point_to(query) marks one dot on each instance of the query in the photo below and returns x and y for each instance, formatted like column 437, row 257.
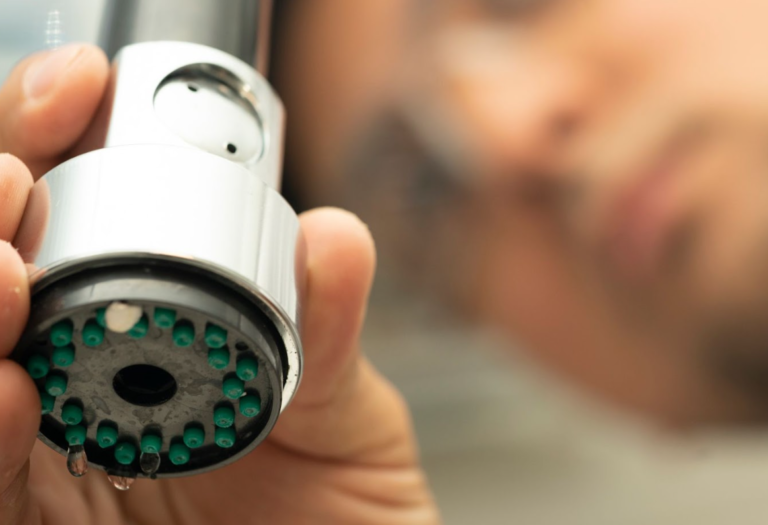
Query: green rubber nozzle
column 224, row 416
column 37, row 366
column 47, row 402
column 247, row 368
column 250, row 405
column 233, row 387
column 140, row 329
column 215, row 336
column 179, row 453
column 106, row 435
column 183, row 334
column 194, row 436
column 151, row 444
column 165, row 317
column 218, row 358
column 125, row 453
column 93, row 334
column 61, row 333
column 71, row 414
column 101, row 317
column 63, row 356
column 225, row 437
column 75, row 435
column 56, row 384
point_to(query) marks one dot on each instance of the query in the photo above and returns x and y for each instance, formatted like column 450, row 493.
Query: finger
column 343, row 410
column 340, row 266
column 19, row 421
column 15, row 185
column 14, row 299
column 19, row 402
column 48, row 102
column 32, row 228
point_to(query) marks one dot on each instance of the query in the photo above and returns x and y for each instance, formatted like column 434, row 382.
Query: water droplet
column 149, row 462
column 77, row 461
column 121, row 482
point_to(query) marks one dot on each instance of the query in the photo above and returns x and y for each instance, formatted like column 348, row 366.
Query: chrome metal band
column 237, row 27
column 179, row 204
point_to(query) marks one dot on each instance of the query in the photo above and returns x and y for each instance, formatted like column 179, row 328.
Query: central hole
column 144, row 385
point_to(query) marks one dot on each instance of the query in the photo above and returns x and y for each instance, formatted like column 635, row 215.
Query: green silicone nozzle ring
column 56, row 384
column 247, row 368
column 225, row 437
column 224, row 416
column 183, row 334
column 71, row 414
column 218, row 358
column 194, row 436
column 106, row 435
column 93, row 334
column 47, row 402
column 233, row 387
column 63, row 356
column 61, row 333
column 151, row 444
column 75, row 435
column 37, row 366
column 250, row 405
column 125, row 453
column 165, row 317
column 179, row 454
column 215, row 336
column 101, row 317
column 140, row 329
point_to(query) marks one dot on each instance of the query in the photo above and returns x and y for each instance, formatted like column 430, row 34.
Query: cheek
column 733, row 249
column 637, row 33
column 646, row 20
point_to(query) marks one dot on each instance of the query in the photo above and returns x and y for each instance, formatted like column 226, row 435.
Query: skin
column 567, row 126
column 612, row 217
column 627, row 167
column 343, row 453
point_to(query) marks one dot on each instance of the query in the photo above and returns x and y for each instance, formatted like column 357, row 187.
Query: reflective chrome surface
column 230, row 95
column 181, row 204
column 189, row 170
column 237, row 27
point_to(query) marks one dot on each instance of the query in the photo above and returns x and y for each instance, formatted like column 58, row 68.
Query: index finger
column 14, row 298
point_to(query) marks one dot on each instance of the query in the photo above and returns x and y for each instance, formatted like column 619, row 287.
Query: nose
column 522, row 111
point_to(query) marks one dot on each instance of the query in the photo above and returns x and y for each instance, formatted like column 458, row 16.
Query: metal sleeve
column 237, row 27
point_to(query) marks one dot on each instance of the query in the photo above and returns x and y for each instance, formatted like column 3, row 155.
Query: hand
column 342, row 453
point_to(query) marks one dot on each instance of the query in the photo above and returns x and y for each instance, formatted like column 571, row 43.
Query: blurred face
column 620, row 147
column 615, row 154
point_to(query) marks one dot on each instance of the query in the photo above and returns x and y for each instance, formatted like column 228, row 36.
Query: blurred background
column 502, row 441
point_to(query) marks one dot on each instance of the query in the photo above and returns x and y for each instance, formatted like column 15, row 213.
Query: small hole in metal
column 193, row 88
column 231, row 148
column 241, row 346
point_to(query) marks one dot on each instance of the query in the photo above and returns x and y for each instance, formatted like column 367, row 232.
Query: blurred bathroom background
column 502, row 441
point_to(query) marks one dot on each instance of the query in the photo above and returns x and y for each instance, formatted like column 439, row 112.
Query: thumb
column 19, row 402
column 344, row 410
column 48, row 102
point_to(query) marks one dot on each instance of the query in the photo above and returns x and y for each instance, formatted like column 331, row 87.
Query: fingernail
column 43, row 74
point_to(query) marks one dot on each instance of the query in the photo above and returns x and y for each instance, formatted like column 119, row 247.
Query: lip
column 642, row 218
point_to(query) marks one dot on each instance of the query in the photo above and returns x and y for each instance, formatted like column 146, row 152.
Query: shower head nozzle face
column 198, row 360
